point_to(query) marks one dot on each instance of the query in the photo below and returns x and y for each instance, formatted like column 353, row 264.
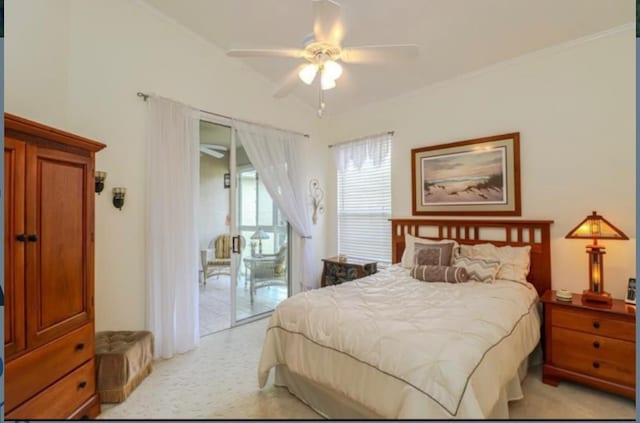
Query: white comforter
column 405, row 348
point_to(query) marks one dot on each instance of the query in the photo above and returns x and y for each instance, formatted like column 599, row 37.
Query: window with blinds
column 364, row 208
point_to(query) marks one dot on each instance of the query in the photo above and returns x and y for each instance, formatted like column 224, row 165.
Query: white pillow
column 515, row 261
column 409, row 247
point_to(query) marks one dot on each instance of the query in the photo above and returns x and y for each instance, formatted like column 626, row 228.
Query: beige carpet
column 219, row 380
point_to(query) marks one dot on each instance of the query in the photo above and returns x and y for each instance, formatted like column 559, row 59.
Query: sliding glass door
column 214, row 228
column 260, row 245
column 244, row 238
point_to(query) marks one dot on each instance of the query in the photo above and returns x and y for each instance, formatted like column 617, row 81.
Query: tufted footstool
column 123, row 360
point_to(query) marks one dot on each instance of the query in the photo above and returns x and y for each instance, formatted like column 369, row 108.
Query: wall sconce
column 118, row 197
column 227, row 180
column 317, row 194
column 100, row 177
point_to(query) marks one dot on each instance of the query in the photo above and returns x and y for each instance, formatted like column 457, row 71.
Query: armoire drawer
column 30, row 373
column 60, row 399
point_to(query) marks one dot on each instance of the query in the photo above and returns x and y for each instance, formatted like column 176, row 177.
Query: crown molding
column 523, row 58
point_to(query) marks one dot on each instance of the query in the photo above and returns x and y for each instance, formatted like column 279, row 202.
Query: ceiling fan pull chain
column 321, row 104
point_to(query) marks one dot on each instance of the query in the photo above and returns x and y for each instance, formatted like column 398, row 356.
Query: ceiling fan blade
column 266, row 52
column 289, row 82
column 327, row 25
column 215, row 147
column 379, row 53
column 212, row 153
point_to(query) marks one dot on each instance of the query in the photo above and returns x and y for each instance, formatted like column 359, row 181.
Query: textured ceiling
column 454, row 36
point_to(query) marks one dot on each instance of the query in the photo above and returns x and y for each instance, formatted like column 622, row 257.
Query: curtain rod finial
column 143, row 95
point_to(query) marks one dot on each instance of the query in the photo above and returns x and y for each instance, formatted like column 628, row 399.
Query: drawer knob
column 80, row 346
column 596, row 324
column 82, row 384
column 596, row 344
column 596, row 365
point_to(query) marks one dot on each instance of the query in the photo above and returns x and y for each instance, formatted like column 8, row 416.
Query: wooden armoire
column 49, row 334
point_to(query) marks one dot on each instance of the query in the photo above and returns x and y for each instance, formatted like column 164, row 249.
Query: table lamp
column 596, row 227
column 260, row 235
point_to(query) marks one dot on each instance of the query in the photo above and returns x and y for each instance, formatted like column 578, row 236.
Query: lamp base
column 596, row 297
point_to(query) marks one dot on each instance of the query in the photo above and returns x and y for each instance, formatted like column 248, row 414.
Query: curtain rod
column 146, row 96
column 362, row 138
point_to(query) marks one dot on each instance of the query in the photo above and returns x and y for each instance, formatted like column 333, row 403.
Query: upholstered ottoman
column 123, row 360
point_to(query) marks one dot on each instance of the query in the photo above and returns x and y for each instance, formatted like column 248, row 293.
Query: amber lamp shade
column 596, row 227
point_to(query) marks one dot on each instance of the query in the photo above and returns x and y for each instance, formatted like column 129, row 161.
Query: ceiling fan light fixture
column 323, row 53
column 308, row 73
column 332, row 69
column 326, row 82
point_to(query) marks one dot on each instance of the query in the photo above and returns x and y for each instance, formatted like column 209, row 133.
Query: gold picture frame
column 476, row 177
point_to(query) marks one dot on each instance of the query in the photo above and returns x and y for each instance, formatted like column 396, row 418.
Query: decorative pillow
column 449, row 274
column 409, row 241
column 432, row 254
column 515, row 260
column 478, row 269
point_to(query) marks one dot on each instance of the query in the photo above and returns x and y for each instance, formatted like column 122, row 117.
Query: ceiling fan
column 213, row 150
column 322, row 51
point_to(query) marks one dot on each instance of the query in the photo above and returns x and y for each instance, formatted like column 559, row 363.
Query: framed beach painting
column 473, row 177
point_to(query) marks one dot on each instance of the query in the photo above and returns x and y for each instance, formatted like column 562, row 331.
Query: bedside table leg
column 548, row 378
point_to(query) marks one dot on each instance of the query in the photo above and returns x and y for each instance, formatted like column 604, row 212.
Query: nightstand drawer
column 594, row 322
column 598, row 356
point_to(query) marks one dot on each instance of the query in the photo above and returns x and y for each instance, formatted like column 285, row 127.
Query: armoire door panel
column 49, row 192
column 14, row 251
column 58, row 245
column 60, row 230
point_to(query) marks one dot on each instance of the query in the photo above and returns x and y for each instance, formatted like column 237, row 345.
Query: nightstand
column 335, row 271
column 590, row 343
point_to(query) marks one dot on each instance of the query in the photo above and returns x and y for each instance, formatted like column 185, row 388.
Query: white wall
column 78, row 64
column 574, row 108
column 36, row 67
column 214, row 199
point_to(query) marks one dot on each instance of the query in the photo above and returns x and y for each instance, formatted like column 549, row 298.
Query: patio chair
column 267, row 270
column 220, row 264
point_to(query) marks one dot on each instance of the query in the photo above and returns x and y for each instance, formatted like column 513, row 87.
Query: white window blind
column 364, row 199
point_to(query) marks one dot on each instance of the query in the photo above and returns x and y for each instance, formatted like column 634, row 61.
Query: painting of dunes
column 479, row 176
column 472, row 177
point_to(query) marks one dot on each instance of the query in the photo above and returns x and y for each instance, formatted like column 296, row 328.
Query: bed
column 390, row 346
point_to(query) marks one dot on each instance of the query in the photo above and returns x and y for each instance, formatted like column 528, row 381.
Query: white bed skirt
column 398, row 348
column 331, row 405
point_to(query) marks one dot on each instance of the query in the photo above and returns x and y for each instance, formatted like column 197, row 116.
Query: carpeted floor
column 219, row 381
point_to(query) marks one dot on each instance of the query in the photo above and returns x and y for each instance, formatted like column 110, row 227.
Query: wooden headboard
column 499, row 232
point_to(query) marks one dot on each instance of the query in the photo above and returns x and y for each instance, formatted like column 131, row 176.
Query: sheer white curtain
column 276, row 156
column 354, row 153
column 172, row 178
